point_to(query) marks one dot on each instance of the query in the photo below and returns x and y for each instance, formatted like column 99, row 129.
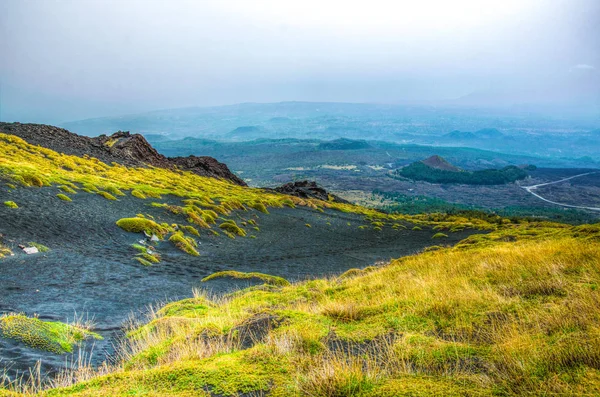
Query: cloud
column 583, row 66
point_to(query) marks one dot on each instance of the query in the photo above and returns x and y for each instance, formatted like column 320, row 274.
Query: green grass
column 10, row 204
column 50, row 336
column 492, row 316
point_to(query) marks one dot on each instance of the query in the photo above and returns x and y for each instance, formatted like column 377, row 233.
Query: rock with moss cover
column 55, row 337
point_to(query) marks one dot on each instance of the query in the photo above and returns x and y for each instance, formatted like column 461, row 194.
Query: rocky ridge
column 121, row 147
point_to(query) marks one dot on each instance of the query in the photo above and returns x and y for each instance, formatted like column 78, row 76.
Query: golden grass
column 490, row 317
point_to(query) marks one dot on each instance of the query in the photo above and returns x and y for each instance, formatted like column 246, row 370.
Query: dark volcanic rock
column 308, row 189
column 120, row 147
column 206, row 166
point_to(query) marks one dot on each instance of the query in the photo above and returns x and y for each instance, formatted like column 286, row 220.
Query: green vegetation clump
column 259, row 206
column 190, row 229
column 139, row 247
column 11, row 186
column 11, row 204
column 107, row 195
column 153, row 258
column 231, row 227
column 67, row 189
column 64, row 197
column 90, row 188
column 143, row 261
column 266, row 278
column 439, row 235
column 137, row 194
column 114, row 191
column 139, row 225
column 4, row 251
column 421, row 172
column 40, row 247
column 55, row 337
column 184, row 243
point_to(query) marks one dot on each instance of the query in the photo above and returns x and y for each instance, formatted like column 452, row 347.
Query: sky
column 66, row 60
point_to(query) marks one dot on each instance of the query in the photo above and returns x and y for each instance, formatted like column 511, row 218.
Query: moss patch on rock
column 52, row 336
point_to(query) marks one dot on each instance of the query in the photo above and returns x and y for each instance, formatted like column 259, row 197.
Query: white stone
column 30, row 250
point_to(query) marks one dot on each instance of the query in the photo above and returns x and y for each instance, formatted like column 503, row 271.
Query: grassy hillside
column 512, row 312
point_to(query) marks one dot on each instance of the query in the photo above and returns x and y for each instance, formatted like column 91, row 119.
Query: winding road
column 533, row 187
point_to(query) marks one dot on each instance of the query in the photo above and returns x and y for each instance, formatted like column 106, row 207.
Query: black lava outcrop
column 120, row 147
column 308, row 189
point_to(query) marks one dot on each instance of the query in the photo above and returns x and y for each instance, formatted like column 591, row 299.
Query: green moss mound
column 115, row 191
column 55, row 337
column 439, row 235
column 10, row 204
column 268, row 279
column 138, row 194
column 107, row 195
column 184, row 243
column 63, row 197
column 259, row 206
column 231, row 227
column 67, row 189
column 139, row 225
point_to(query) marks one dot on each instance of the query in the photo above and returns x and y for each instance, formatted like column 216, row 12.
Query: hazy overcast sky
column 66, row 60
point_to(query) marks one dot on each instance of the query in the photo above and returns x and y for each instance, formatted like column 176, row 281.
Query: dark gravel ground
column 90, row 270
